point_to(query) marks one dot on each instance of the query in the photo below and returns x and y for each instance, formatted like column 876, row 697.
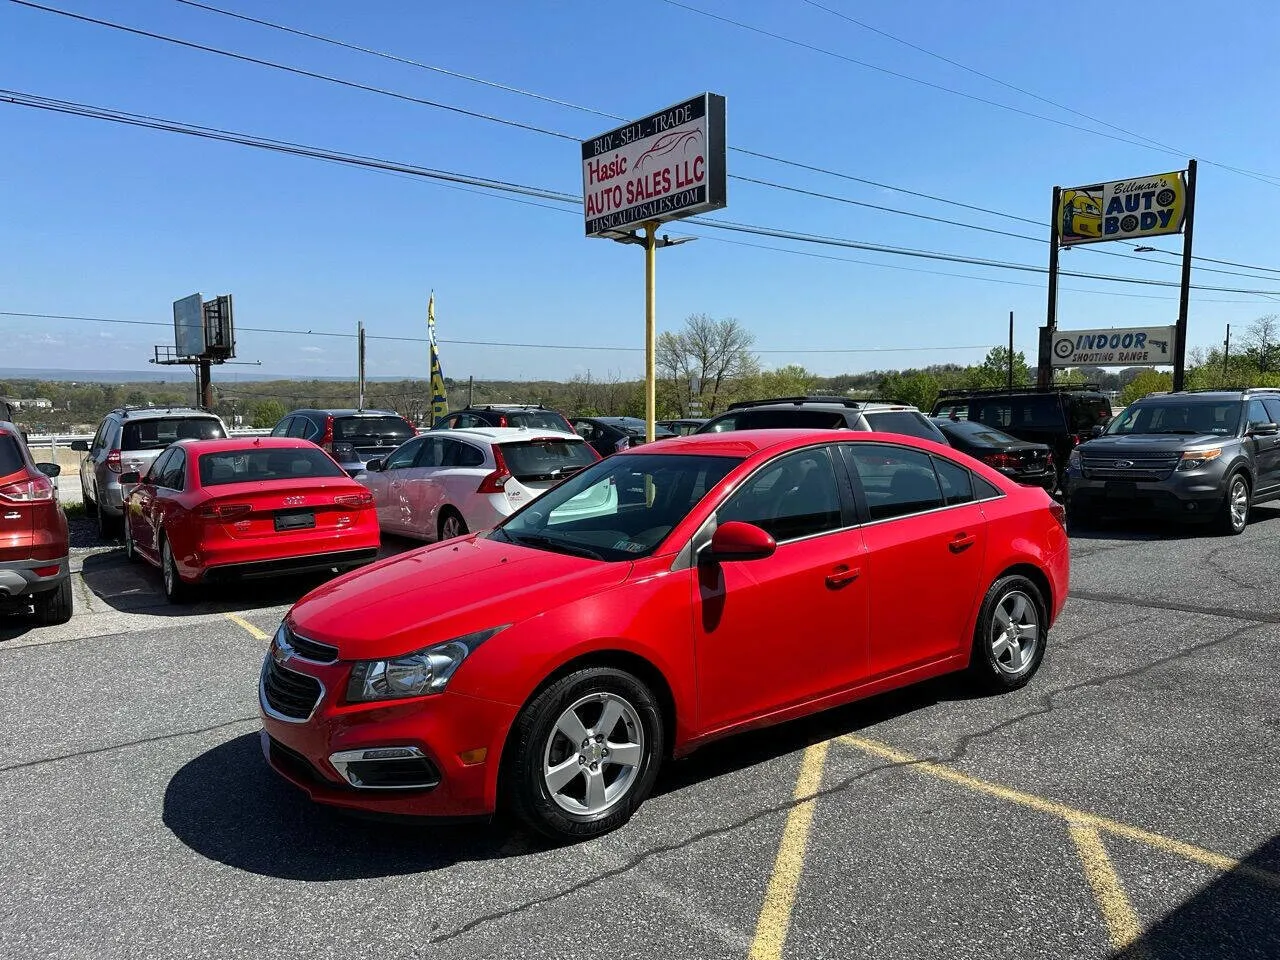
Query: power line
column 554, row 133
column 85, row 110
column 1269, row 179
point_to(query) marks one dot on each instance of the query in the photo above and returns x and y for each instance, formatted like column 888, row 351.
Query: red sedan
column 736, row 580
column 211, row 510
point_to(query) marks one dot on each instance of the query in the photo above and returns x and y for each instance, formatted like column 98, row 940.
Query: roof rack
column 841, row 401
column 1005, row 391
column 1245, row 390
column 126, row 410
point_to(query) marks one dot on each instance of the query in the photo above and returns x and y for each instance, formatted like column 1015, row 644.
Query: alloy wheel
column 452, row 527
column 1239, row 503
column 593, row 754
column 1015, row 633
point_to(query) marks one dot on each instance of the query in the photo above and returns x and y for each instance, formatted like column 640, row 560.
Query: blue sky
column 104, row 220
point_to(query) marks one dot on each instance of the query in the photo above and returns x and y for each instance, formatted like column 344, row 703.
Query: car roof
column 746, row 443
column 507, row 434
column 157, row 413
column 505, row 406
column 1206, row 396
column 344, row 412
column 245, row 443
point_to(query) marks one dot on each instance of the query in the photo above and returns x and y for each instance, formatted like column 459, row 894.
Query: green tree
column 916, row 387
column 1149, row 381
column 267, row 413
column 994, row 369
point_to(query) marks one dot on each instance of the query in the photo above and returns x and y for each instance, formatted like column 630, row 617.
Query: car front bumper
column 22, row 578
column 1190, row 494
column 440, row 729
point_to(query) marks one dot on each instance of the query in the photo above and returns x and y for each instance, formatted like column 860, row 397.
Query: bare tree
column 715, row 352
column 1262, row 343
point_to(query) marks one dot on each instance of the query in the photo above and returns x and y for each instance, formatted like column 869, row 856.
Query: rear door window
column 299, row 427
column 905, row 422
column 370, row 429
column 956, row 482
column 460, row 454
column 547, row 459
column 895, row 481
column 158, row 433
column 11, row 459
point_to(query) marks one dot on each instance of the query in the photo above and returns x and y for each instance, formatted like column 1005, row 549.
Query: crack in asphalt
column 1211, row 559
column 1227, row 613
column 959, row 752
column 121, row 746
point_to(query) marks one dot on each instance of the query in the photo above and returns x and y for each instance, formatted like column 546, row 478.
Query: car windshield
column 1192, row 418
column 977, row 433
column 546, row 458
column 906, row 423
column 536, row 420
column 255, row 465
column 361, row 429
column 159, row 432
column 620, row 508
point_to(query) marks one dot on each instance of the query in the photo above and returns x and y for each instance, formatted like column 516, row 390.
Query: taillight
column 362, row 499
column 496, row 481
column 1059, row 513
column 326, row 441
column 225, row 511
column 413, row 431
column 1001, row 461
column 1075, row 440
column 502, row 421
column 113, row 461
column 28, row 491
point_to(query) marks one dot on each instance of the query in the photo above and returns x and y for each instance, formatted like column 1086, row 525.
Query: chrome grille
column 1130, row 468
column 312, row 649
column 291, row 695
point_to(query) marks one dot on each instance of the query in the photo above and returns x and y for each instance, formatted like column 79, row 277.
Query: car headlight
column 1073, row 460
column 415, row 674
column 1191, row 459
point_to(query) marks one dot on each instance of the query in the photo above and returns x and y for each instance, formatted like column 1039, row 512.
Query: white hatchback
column 445, row 483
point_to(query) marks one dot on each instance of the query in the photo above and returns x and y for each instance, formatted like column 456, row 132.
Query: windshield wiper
column 550, row 543
column 1188, row 433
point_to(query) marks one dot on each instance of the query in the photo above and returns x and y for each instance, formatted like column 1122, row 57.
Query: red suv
column 553, row 663
column 35, row 549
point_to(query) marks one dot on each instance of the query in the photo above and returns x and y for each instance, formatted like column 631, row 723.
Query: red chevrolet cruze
column 210, row 510
column 655, row 601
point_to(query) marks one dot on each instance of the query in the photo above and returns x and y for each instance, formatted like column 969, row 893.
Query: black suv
column 533, row 416
column 1195, row 454
column 1062, row 417
column 825, row 413
column 352, row 437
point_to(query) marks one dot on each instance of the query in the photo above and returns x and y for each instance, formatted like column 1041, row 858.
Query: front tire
column 584, row 754
column 1233, row 514
column 55, row 606
column 1009, row 641
column 176, row 590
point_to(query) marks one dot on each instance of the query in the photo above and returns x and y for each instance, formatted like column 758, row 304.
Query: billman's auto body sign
column 1116, row 347
column 667, row 165
column 1123, row 209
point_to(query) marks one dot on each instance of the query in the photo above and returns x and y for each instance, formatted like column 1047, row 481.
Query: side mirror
column 50, row 470
column 1097, row 430
column 130, row 479
column 736, row 540
column 80, row 446
column 1264, row 429
column 374, row 465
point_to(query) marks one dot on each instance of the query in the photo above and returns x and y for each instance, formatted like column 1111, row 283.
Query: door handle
column 961, row 542
column 842, row 575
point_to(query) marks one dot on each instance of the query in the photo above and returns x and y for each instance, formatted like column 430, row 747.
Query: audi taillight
column 28, row 491
column 362, row 499
column 497, row 480
column 225, row 511
column 113, row 461
column 1001, row 461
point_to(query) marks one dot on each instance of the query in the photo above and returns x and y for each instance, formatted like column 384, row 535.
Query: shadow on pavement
column 229, row 806
column 1116, row 527
column 1235, row 916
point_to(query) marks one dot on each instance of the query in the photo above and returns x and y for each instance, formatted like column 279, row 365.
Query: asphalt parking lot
column 1124, row 804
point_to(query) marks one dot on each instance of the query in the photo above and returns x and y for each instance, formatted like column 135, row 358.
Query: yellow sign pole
column 650, row 329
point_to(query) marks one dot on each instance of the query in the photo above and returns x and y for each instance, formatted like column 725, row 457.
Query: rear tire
column 1233, row 513
column 55, row 606
column 451, row 524
column 568, row 789
column 176, row 590
column 1009, row 641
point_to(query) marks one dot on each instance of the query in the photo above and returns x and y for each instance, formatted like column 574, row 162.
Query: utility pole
column 1011, row 351
column 1180, row 346
column 1044, row 366
column 1226, row 354
column 360, row 364
column 471, row 390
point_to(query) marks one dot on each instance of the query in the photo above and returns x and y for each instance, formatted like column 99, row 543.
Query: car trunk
column 248, row 511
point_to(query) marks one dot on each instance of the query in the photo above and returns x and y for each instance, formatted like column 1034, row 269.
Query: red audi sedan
column 729, row 580
column 211, row 510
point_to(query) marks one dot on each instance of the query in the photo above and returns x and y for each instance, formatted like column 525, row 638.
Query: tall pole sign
column 1135, row 209
column 663, row 167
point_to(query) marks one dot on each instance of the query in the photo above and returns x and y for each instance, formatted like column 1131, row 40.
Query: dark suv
column 825, row 413
column 533, row 416
column 1062, row 417
column 352, row 437
column 1197, row 455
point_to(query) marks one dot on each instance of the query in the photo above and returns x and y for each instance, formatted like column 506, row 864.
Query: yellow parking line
column 1122, row 920
column 780, row 897
column 1071, row 814
column 253, row 631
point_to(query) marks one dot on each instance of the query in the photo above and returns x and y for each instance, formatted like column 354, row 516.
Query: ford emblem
column 1123, row 464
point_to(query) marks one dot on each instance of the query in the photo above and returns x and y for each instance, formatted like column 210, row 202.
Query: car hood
column 443, row 591
column 1148, row 444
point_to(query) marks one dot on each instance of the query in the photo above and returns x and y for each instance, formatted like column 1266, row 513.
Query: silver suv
column 825, row 413
column 1207, row 455
column 127, row 441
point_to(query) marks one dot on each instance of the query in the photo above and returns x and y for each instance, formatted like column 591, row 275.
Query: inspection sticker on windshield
column 628, row 546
